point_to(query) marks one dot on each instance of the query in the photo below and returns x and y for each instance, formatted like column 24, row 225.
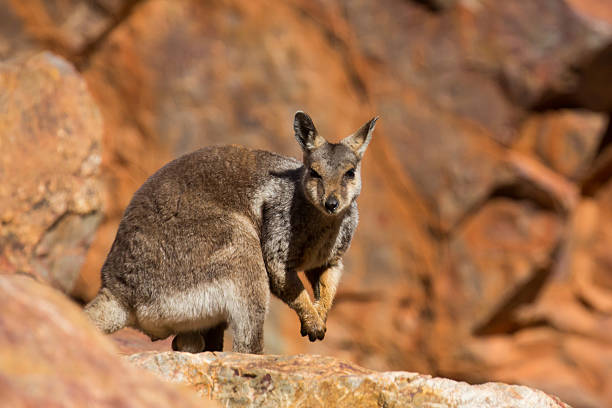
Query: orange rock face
column 50, row 201
column 483, row 251
column 51, row 356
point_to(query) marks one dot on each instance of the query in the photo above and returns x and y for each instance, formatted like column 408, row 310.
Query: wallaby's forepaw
column 321, row 311
column 314, row 327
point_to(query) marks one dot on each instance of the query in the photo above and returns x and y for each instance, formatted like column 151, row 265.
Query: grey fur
column 209, row 236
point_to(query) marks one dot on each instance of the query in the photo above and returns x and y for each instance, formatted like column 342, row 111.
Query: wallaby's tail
column 107, row 312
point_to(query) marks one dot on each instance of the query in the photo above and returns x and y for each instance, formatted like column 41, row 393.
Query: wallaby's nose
column 331, row 204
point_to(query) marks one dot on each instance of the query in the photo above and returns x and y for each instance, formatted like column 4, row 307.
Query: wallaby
column 208, row 236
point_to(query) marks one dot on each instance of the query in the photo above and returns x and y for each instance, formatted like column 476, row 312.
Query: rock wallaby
column 208, row 236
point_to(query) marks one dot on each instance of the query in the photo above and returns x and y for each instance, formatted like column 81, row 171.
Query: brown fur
column 208, row 237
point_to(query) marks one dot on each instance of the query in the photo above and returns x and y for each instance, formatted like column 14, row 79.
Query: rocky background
column 484, row 250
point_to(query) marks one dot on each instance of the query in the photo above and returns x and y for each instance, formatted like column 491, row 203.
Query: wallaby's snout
column 331, row 204
column 332, row 179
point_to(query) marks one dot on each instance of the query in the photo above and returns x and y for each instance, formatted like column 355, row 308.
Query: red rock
column 566, row 141
column 50, row 204
column 50, row 355
column 306, row 381
column 68, row 28
column 130, row 341
column 496, row 254
column 600, row 171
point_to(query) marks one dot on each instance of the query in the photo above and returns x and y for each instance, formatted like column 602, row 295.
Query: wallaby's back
column 196, row 206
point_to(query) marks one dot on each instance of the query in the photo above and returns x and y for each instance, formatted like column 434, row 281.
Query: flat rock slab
column 240, row 380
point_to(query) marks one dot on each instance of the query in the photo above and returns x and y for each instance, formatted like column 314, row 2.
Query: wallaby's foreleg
column 290, row 290
column 324, row 282
column 107, row 312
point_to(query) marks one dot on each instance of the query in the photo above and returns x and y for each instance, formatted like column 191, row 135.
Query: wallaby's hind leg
column 248, row 331
column 107, row 312
column 191, row 342
column 213, row 337
column 247, row 314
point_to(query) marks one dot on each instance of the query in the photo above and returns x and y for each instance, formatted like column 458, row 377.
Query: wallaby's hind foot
column 204, row 340
column 213, row 337
column 107, row 313
column 190, row 342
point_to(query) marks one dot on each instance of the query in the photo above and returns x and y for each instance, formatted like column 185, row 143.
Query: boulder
column 70, row 28
column 50, row 355
column 565, row 140
column 238, row 380
column 50, row 190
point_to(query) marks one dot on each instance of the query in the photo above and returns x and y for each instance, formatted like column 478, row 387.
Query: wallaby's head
column 332, row 176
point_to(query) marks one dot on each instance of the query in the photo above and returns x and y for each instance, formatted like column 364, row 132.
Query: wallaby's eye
column 350, row 174
column 314, row 174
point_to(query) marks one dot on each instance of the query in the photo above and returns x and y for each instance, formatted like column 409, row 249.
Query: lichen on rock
column 239, row 380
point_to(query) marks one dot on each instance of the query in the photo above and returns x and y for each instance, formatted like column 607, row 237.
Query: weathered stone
column 600, row 172
column 65, row 27
column 50, row 203
column 50, row 355
column 531, row 357
column 497, row 254
column 567, row 312
column 129, row 341
column 312, row 381
column 566, row 140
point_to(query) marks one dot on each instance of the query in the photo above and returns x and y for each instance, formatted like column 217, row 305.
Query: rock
column 50, row 355
column 500, row 252
column 600, row 171
column 566, row 140
column 503, row 53
column 307, row 381
column 50, row 199
column 129, row 341
column 531, row 356
column 69, row 28
column 567, row 311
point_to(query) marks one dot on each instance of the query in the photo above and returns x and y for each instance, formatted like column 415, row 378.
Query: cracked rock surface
column 239, row 380
column 50, row 191
column 51, row 356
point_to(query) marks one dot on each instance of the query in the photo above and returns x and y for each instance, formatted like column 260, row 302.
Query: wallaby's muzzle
column 331, row 204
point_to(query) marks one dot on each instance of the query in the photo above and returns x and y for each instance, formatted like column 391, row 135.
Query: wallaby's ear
column 305, row 132
column 358, row 141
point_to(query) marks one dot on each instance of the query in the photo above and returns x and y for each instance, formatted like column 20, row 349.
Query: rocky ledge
column 50, row 355
column 239, row 380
